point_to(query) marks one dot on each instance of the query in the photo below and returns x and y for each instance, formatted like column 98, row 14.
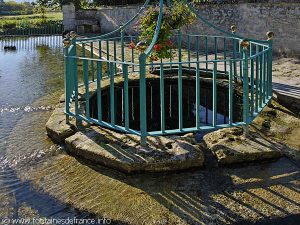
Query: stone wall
column 253, row 21
column 81, row 21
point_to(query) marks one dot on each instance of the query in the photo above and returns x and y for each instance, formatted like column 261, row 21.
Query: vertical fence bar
column 266, row 86
column 92, row 62
column 100, row 49
column 252, row 81
column 75, row 75
column 126, row 98
column 216, row 47
column 67, row 69
column 143, row 108
column 234, row 60
column 197, row 47
column 122, row 45
column 198, row 102
column 264, row 76
column 215, row 94
column 245, row 44
column 112, row 93
column 180, row 115
column 115, row 53
column 99, row 92
column 171, row 58
column 260, row 80
column 132, row 56
column 257, row 79
column 86, row 83
column 225, row 56
column 162, row 98
column 107, row 52
column 270, row 61
column 189, row 52
column 230, row 97
column 206, row 53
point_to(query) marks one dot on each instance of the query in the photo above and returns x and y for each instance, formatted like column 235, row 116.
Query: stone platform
column 270, row 136
column 123, row 151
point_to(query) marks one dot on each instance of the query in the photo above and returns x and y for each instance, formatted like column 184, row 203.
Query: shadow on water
column 215, row 195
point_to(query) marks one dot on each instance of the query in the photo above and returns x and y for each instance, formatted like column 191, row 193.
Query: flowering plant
column 174, row 17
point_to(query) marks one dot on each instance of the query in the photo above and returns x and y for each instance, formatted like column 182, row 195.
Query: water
column 31, row 81
column 170, row 105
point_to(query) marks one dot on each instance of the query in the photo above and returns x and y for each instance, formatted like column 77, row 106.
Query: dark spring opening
column 171, row 104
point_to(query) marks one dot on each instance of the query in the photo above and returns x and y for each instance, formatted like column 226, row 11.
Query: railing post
column 180, row 109
column 74, row 75
column 270, row 36
column 67, row 44
column 245, row 45
column 122, row 44
column 143, row 108
column 233, row 30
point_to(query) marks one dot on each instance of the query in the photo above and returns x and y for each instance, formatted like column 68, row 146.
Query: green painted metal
column 122, row 45
column 204, row 53
column 198, row 100
column 126, row 98
column 245, row 87
column 143, row 107
column 112, row 93
column 189, row 51
column 99, row 91
column 215, row 94
column 162, row 98
column 270, row 61
column 230, row 97
column 180, row 113
column 67, row 69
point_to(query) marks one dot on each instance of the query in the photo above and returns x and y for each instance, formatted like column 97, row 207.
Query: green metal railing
column 107, row 58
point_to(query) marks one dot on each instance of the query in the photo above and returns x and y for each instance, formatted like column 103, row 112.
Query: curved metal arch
column 157, row 30
column 119, row 28
column 218, row 28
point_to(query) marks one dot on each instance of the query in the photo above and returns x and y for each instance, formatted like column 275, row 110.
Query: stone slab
column 57, row 128
column 230, row 145
column 124, row 152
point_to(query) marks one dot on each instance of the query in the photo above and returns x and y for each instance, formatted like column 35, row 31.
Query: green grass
column 29, row 21
column 49, row 15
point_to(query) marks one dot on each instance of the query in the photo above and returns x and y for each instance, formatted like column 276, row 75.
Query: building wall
column 253, row 20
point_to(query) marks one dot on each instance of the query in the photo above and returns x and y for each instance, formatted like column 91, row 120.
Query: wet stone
column 124, row 152
column 57, row 128
column 230, row 145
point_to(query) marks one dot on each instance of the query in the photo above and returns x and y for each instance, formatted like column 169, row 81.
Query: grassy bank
column 30, row 21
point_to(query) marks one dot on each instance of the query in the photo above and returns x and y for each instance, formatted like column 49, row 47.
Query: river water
column 31, row 81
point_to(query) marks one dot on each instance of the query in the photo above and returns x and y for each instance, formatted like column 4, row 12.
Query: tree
column 54, row 3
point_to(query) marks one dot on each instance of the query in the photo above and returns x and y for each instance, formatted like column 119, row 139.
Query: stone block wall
column 253, row 20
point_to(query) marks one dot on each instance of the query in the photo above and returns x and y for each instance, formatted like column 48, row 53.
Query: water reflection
column 30, row 85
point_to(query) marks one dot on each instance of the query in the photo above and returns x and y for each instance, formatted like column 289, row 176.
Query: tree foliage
column 15, row 8
column 174, row 17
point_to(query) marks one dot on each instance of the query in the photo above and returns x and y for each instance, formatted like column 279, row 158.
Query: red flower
column 169, row 43
column 132, row 45
column 157, row 47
